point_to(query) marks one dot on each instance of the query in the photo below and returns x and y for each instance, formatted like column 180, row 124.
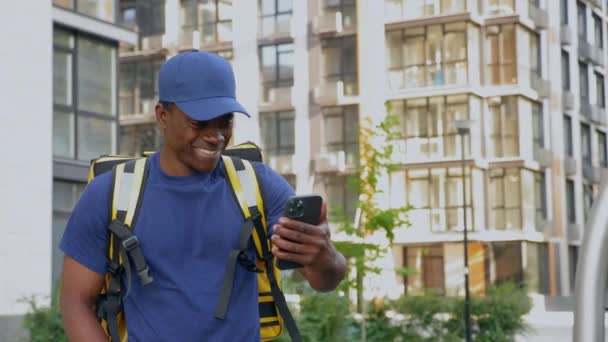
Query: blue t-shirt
column 186, row 227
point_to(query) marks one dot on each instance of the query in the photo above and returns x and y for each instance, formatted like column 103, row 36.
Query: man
column 188, row 224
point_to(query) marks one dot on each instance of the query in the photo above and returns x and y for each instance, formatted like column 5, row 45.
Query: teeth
column 206, row 152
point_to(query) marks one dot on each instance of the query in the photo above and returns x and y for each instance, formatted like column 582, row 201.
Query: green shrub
column 43, row 323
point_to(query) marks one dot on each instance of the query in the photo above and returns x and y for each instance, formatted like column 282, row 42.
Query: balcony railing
column 565, row 35
column 539, row 84
column 539, row 16
column 211, row 34
column 598, row 115
column 569, row 166
column 453, row 73
column 336, row 161
column 336, row 92
column 592, row 173
column 272, row 29
column 567, row 100
column 585, row 108
column 543, row 156
column 276, row 96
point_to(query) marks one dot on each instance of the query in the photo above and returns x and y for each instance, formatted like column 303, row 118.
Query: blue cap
column 200, row 83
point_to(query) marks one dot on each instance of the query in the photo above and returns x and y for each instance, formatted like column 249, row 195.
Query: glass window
column 598, row 32
column 505, row 199
column 573, row 252
column 504, row 136
column 64, row 134
column 535, row 54
column 600, row 98
column 96, row 136
column 568, row 143
column 584, row 82
column 140, row 138
column 508, row 262
column 96, row 76
column 500, row 6
column 540, row 199
column 341, row 198
column 586, row 144
column 278, row 133
column 347, row 8
column 500, row 48
column 538, row 139
column 587, row 200
column 563, row 12
column 139, row 86
column 101, row 9
column 149, row 14
column 275, row 16
column 277, row 65
column 570, row 201
column 213, row 18
column 340, row 60
column 581, row 12
column 603, row 152
column 342, row 131
column 565, row 70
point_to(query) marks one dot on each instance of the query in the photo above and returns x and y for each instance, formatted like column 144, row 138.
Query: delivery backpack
column 124, row 252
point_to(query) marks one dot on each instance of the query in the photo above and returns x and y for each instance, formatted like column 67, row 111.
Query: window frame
column 192, row 7
column 277, row 82
column 278, row 117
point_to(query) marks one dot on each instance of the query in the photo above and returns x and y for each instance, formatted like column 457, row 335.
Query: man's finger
column 323, row 217
column 290, row 246
column 301, row 259
column 294, row 235
column 302, row 227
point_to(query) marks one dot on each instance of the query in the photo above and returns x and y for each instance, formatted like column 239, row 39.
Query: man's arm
column 79, row 290
column 310, row 246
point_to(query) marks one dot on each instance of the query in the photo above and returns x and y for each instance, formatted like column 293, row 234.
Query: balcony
column 211, row 35
column 567, row 100
column 276, row 29
column 275, row 98
column 596, row 3
column 573, row 232
column 585, row 108
column 598, row 115
column 283, row 164
column 592, row 173
column 152, row 42
column 543, row 156
column 565, row 35
column 338, row 161
column 589, row 52
column 329, row 23
column 569, row 166
column 336, row 93
column 541, row 85
column 539, row 16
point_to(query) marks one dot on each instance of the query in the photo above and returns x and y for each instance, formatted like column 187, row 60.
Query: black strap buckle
column 249, row 265
column 130, row 243
column 113, row 267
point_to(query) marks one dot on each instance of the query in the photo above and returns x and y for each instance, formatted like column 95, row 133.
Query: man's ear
column 161, row 115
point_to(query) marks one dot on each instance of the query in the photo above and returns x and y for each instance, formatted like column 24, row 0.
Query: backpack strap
column 244, row 184
column 127, row 193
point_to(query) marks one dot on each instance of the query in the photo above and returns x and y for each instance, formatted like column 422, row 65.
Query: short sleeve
column 86, row 238
column 275, row 192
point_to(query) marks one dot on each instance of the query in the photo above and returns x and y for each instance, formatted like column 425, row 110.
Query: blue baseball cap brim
column 210, row 108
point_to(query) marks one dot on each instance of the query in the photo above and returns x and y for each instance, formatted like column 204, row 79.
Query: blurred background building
column 529, row 75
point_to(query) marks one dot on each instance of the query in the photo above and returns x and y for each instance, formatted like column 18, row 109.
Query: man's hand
column 310, row 246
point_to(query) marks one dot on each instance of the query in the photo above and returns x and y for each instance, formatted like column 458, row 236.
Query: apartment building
column 59, row 66
column 308, row 72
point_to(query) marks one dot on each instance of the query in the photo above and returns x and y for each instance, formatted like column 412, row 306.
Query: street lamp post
column 464, row 127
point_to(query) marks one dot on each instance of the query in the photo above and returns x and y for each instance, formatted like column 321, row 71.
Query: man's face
column 194, row 145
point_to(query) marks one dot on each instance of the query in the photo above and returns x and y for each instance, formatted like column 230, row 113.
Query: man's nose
column 212, row 134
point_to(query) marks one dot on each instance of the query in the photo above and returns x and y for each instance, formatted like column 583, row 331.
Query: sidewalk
column 551, row 327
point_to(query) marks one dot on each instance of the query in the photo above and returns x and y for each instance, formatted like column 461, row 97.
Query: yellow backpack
column 129, row 180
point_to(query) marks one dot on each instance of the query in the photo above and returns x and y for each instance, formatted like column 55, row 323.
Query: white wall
column 26, row 144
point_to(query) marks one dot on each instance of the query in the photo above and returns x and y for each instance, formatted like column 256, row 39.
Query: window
column 601, row 144
column 504, row 136
column 65, row 196
column 540, row 199
column 340, row 60
column 505, row 199
column 150, row 17
column 213, row 18
column 84, row 96
column 508, row 262
column 139, row 86
column 500, row 6
column 277, row 65
column 275, row 16
column 565, row 70
column 140, row 138
column 587, row 200
column 585, row 144
column 100, row 9
column 568, row 143
column 128, row 14
column 428, row 261
column 347, row 8
column 570, row 201
column 535, row 55
column 409, row 9
column 428, row 56
column 597, row 30
column 563, row 12
column 341, row 198
column 538, row 138
column 573, row 260
column 600, row 98
column 278, row 130
column 584, row 82
column 437, row 197
column 342, row 131
column 427, row 125
column 500, row 49
column 581, row 12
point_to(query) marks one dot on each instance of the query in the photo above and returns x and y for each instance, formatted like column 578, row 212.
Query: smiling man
column 188, row 224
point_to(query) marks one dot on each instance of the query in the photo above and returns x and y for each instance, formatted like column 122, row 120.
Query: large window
column 583, row 79
column 601, row 146
column 535, row 55
column 437, row 197
column 428, row 56
column 505, row 199
column 500, row 49
column 139, row 86
column 568, row 143
column 409, row 9
column 428, row 260
column 565, row 70
column 597, row 31
column 427, row 125
column 540, row 200
column 500, row 6
column 137, row 139
column 587, row 199
column 347, row 8
column 213, row 18
column 275, row 16
column 342, row 131
column 277, row 65
column 504, row 137
column 340, row 60
column 538, row 135
column 570, row 201
column 581, row 12
column 65, row 196
column 586, row 144
column 84, row 96
column 101, row 9
column 563, row 9
column 600, row 97
column 341, row 198
column 278, row 131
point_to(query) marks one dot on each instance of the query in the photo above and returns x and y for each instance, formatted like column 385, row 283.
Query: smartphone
column 303, row 208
